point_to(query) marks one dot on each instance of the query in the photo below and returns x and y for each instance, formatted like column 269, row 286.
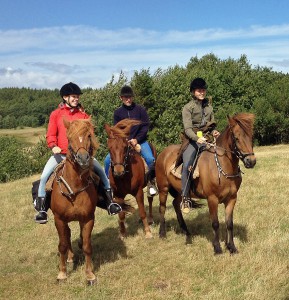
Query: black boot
column 41, row 207
column 151, row 187
column 112, row 207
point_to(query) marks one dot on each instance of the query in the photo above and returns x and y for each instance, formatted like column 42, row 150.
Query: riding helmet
column 198, row 83
column 126, row 91
column 70, row 89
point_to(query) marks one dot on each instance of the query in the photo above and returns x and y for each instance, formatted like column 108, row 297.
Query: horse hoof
column 90, row 282
column 148, row 235
column 61, row 281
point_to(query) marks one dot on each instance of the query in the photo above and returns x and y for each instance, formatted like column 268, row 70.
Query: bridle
column 124, row 164
column 236, row 150
column 73, row 157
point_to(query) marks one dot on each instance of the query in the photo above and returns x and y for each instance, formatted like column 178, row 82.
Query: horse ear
column 107, row 129
column 66, row 123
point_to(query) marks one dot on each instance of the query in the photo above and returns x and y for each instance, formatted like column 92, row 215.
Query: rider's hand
column 133, row 142
column 56, row 150
column 201, row 140
column 215, row 133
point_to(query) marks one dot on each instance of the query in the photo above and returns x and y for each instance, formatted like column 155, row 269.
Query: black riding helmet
column 126, row 91
column 70, row 89
column 198, row 83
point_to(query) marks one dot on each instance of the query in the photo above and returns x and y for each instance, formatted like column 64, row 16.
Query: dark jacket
column 136, row 112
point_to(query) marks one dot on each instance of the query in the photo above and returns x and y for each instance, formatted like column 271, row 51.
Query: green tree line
column 234, row 85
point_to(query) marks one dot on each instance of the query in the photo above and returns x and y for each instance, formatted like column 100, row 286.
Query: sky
column 45, row 44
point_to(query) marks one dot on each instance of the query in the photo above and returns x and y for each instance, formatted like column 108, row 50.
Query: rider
column 196, row 116
column 138, row 133
column 71, row 109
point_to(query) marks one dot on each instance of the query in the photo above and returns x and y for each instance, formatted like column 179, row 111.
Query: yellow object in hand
column 199, row 134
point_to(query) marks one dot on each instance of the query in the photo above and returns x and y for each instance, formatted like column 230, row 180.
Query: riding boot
column 151, row 187
column 112, row 207
column 42, row 207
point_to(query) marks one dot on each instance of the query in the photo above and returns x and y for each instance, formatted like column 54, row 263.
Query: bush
column 14, row 160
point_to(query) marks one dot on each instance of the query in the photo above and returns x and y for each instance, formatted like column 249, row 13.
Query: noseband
column 125, row 160
column 237, row 151
column 73, row 154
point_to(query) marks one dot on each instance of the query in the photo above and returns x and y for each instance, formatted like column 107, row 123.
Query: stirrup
column 115, row 206
column 186, row 205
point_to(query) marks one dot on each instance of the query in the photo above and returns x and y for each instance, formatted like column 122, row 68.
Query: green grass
column 27, row 135
column 170, row 269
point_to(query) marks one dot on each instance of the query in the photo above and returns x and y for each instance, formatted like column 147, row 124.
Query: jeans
column 145, row 152
column 52, row 163
column 189, row 157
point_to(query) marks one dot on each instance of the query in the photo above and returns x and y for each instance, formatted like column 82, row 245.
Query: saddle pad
column 49, row 183
column 177, row 172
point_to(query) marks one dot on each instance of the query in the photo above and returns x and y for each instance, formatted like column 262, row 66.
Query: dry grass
column 28, row 135
column 169, row 269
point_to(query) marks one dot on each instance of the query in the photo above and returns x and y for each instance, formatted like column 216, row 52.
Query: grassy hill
column 27, row 135
column 169, row 269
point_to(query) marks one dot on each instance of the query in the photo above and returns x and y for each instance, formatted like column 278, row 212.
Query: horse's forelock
column 245, row 121
column 80, row 128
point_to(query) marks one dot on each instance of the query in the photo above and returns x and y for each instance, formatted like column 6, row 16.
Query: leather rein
column 60, row 179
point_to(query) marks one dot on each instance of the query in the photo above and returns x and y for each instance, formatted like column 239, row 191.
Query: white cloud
column 48, row 57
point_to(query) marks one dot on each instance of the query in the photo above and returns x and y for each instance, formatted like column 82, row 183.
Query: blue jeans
column 52, row 163
column 145, row 152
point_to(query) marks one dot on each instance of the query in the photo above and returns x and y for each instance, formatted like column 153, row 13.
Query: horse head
column 82, row 143
column 118, row 145
column 241, row 130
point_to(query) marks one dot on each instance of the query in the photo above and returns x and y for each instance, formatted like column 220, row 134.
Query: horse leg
column 63, row 246
column 70, row 253
column 86, row 229
column 150, row 217
column 142, row 213
column 121, row 224
column 213, row 209
column 163, row 195
column 229, row 208
column 177, row 207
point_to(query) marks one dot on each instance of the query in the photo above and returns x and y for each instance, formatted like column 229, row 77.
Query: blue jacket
column 136, row 112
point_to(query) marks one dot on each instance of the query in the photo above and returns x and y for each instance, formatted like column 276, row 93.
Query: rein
column 236, row 151
column 60, row 179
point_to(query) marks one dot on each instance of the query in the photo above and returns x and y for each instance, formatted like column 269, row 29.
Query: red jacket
column 56, row 132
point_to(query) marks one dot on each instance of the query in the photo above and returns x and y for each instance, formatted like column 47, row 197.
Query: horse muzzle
column 83, row 160
column 249, row 161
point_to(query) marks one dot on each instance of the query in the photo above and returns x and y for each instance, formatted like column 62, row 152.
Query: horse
column 219, row 177
column 74, row 196
column 127, row 172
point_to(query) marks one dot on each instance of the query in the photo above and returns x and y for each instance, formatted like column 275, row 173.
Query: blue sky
column 45, row 44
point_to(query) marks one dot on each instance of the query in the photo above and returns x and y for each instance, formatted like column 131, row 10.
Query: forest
column 234, row 85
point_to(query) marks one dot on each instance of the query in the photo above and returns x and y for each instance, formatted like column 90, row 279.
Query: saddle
column 207, row 133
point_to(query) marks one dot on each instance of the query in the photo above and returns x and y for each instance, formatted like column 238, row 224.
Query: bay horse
column 219, row 177
column 127, row 172
column 74, row 196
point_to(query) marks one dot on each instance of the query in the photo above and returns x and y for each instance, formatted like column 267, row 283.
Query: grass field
column 138, row 269
column 27, row 135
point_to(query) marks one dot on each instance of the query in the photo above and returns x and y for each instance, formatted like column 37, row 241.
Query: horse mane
column 245, row 121
column 122, row 128
column 80, row 127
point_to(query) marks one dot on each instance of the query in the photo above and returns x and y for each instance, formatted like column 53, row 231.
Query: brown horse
column 74, row 196
column 127, row 172
column 219, row 176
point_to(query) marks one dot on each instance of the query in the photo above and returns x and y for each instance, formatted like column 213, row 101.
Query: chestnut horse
column 74, row 196
column 219, row 176
column 127, row 172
